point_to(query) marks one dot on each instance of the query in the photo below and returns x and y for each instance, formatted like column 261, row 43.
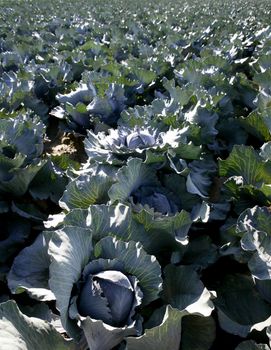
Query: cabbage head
column 101, row 289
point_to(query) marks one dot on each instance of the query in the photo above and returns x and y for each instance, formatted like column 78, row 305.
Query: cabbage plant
column 98, row 288
column 85, row 107
column 21, row 146
column 151, row 144
column 105, row 284
column 160, row 208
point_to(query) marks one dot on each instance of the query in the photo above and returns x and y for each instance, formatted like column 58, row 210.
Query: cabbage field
column 135, row 175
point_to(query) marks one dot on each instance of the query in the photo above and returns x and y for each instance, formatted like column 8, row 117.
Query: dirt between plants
column 67, row 143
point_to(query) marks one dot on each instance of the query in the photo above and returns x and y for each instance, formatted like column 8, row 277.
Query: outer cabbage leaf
column 49, row 182
column 178, row 185
column 86, row 190
column 245, row 162
column 183, row 290
column 138, row 116
column 30, row 270
column 251, row 345
column 42, row 311
column 28, row 211
column 104, row 220
column 198, row 333
column 81, row 94
column 171, row 328
column 130, row 178
column 265, row 152
column 240, row 307
column 164, row 331
column 69, row 251
column 200, row 177
column 100, row 336
column 248, row 177
column 164, row 229
column 20, row 332
column 55, row 220
column 199, row 253
column 206, row 119
column 258, row 123
column 254, row 226
column 20, row 178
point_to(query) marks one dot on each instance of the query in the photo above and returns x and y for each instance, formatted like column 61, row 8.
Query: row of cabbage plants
column 135, row 174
